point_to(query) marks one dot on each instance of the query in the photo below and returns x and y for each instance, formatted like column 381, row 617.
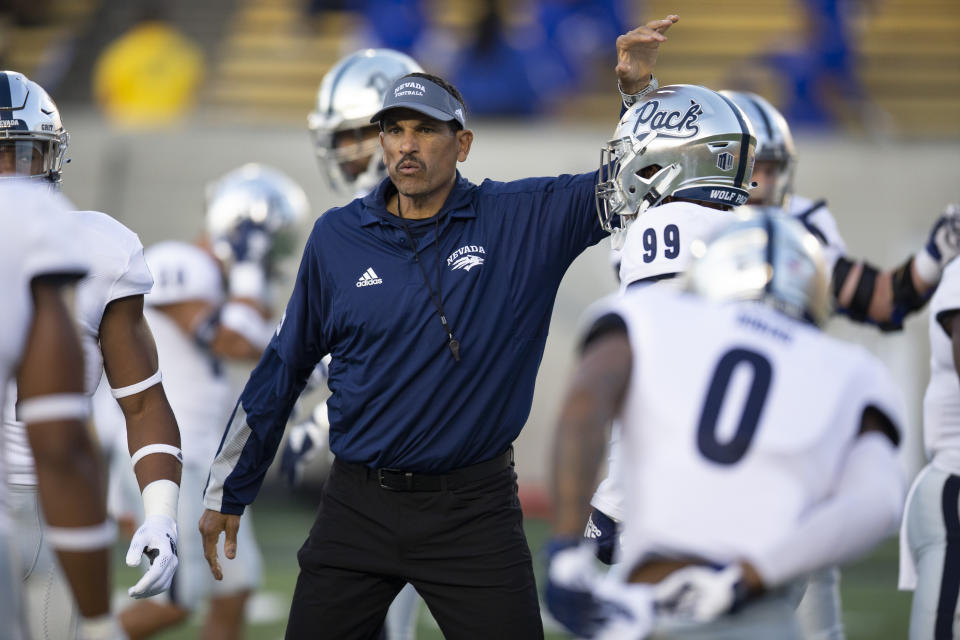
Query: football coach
column 433, row 295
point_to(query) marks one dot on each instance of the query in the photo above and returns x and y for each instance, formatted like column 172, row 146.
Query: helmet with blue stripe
column 346, row 144
column 764, row 256
column 774, row 143
column 33, row 142
column 681, row 141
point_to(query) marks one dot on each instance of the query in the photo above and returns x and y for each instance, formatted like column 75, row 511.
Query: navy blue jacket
column 399, row 399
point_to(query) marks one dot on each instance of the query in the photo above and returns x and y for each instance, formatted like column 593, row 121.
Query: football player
column 40, row 348
column 115, row 338
column 197, row 322
column 928, row 537
column 669, row 185
column 734, row 492
column 861, row 291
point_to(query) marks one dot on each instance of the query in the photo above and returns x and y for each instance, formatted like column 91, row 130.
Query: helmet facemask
column 340, row 147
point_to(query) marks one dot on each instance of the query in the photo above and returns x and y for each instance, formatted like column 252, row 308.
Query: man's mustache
column 410, row 158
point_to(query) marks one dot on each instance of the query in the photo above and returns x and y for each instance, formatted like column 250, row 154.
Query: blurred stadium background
column 157, row 109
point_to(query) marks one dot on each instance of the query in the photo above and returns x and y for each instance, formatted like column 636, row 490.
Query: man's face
column 765, row 174
column 21, row 157
column 421, row 153
column 354, row 148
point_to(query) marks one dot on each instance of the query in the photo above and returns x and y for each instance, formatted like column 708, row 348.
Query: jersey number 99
column 671, row 243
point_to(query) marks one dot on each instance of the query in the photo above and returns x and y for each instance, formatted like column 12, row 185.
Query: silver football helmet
column 33, row 141
column 700, row 142
column 764, row 256
column 346, row 144
column 774, row 142
column 252, row 213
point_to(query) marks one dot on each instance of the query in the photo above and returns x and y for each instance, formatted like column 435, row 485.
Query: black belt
column 400, row 480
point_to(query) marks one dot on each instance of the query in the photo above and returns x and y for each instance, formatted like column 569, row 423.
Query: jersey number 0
column 731, row 451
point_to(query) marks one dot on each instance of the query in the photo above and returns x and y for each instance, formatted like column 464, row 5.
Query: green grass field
column 873, row 609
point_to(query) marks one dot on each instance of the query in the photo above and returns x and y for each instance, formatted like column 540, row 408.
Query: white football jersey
column 117, row 270
column 941, row 403
column 737, row 420
column 31, row 245
column 657, row 244
column 197, row 388
column 194, row 382
column 818, row 220
column 182, row 272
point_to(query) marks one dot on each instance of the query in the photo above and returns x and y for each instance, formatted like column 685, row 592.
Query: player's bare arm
column 884, row 298
column 212, row 524
column 593, row 399
column 198, row 317
column 132, row 369
column 881, row 306
column 129, row 358
column 637, row 53
column 69, row 478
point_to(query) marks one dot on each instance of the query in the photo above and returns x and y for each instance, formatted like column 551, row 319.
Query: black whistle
column 455, row 348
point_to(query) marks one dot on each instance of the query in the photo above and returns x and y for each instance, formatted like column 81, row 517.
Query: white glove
column 699, row 593
column 590, row 604
column 105, row 627
column 157, row 539
column 942, row 246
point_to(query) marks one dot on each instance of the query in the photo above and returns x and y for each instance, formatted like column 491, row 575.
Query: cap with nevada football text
column 424, row 96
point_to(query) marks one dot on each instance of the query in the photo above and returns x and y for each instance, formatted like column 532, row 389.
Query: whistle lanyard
column 452, row 342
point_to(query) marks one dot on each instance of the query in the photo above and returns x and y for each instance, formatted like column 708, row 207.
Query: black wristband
column 906, row 298
column 860, row 303
column 840, row 272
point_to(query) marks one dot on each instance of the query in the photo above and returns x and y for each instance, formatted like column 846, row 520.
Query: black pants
column 462, row 548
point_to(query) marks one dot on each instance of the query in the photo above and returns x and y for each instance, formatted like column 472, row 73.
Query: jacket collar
column 458, row 204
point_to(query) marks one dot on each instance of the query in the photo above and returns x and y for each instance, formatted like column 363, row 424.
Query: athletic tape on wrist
column 90, row 538
column 54, row 406
column 928, row 268
column 136, row 388
column 160, row 498
column 156, row 448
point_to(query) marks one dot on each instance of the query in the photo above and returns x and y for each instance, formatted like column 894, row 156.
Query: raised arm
column 637, row 52
column 131, row 364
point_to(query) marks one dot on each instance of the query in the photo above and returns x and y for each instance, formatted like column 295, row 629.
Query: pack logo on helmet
column 12, row 124
column 663, row 121
column 725, row 161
